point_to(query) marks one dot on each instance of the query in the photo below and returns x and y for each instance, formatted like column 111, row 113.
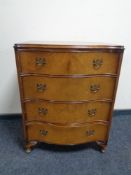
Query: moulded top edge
column 67, row 45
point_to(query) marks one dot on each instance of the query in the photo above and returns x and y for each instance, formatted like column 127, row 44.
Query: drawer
column 57, row 134
column 67, row 112
column 68, row 88
column 69, row 63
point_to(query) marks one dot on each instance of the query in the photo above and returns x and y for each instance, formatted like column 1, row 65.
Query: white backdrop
column 70, row 20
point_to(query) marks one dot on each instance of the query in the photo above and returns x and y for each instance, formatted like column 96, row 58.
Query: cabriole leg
column 29, row 145
column 103, row 146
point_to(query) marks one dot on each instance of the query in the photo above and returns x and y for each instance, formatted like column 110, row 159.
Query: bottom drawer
column 65, row 135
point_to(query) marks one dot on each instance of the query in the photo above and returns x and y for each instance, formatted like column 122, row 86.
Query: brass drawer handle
column 94, row 88
column 40, row 61
column 42, row 111
column 41, row 87
column 43, row 132
column 92, row 112
column 97, row 63
column 90, row 132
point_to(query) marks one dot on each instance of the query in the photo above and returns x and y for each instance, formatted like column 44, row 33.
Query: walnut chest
column 67, row 91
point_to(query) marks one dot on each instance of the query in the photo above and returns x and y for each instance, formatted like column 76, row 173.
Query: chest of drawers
column 67, row 91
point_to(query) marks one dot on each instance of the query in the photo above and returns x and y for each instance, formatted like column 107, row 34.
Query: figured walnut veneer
column 67, row 91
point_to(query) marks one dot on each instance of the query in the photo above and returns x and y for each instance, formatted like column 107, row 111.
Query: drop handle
column 90, row 132
column 92, row 112
column 97, row 63
column 94, row 88
column 40, row 61
column 42, row 111
column 41, row 87
column 43, row 132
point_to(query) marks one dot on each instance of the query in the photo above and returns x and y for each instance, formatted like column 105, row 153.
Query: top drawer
column 69, row 62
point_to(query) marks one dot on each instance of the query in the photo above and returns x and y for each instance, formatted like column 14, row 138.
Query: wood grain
column 64, row 135
column 68, row 88
column 69, row 45
column 68, row 63
column 72, row 88
column 67, row 113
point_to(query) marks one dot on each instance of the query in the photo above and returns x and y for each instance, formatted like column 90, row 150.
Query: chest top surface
column 67, row 45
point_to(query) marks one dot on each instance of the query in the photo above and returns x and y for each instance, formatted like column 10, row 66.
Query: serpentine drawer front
column 67, row 91
column 77, row 89
column 67, row 112
column 66, row 135
column 68, row 63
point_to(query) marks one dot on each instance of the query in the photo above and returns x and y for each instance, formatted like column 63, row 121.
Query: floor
column 57, row 160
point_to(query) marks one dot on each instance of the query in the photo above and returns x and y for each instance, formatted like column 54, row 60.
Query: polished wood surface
column 69, row 63
column 67, row 91
column 67, row 113
column 77, row 89
column 68, row 45
column 66, row 135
